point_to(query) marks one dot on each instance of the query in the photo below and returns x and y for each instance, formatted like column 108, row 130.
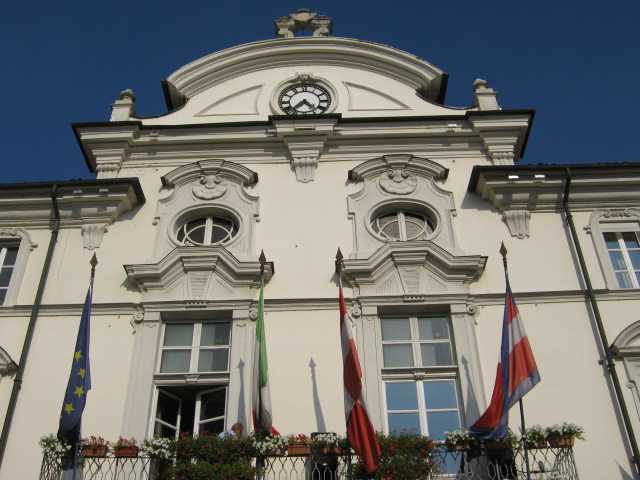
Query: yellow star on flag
column 68, row 407
column 81, row 372
column 79, row 391
column 77, row 356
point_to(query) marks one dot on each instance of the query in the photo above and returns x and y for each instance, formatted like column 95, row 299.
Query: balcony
column 438, row 463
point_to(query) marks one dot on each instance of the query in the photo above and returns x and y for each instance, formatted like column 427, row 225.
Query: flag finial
column 263, row 260
column 339, row 263
column 503, row 252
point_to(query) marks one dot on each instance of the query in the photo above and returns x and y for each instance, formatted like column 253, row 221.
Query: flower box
column 561, row 441
column 128, row 452
column 536, row 444
column 459, row 446
column 298, row 449
column 498, row 445
column 94, row 451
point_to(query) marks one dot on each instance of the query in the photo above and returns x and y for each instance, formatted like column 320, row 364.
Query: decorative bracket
column 92, row 235
column 518, row 222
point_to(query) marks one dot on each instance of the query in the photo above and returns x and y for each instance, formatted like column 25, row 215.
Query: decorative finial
column 503, row 252
column 303, row 20
column 263, row 260
column 94, row 261
column 126, row 93
column 484, row 97
column 339, row 263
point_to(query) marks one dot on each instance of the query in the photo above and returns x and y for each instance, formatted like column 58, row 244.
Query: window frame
column 400, row 213
column 624, row 251
column 25, row 247
column 5, row 244
column 195, row 347
column 419, row 374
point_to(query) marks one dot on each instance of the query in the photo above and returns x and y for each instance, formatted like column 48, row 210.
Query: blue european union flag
column 79, row 380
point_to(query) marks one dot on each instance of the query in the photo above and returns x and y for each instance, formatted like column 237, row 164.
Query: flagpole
column 523, row 428
column 93, row 262
column 263, row 260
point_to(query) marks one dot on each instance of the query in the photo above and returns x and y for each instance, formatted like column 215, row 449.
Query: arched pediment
column 627, row 343
column 213, row 69
column 409, row 163
column 193, row 171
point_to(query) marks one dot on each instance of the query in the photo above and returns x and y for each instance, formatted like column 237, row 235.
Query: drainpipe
column 608, row 361
column 17, row 381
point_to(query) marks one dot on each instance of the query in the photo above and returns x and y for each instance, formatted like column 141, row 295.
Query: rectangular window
column 195, row 347
column 416, row 342
column 624, row 254
column 8, row 255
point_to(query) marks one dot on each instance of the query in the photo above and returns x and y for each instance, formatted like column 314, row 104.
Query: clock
column 304, row 99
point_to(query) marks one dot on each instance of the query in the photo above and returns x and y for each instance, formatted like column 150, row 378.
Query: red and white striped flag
column 360, row 432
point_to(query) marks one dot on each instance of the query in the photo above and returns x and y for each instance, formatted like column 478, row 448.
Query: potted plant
column 509, row 441
column 161, row 448
column 93, row 447
column 535, row 437
column 298, row 445
column 459, row 440
column 265, row 445
column 52, row 448
column 326, row 443
column 405, row 445
column 564, row 435
column 125, row 447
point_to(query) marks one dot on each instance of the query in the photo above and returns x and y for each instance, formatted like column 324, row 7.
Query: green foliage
column 400, row 467
column 403, row 457
column 405, row 445
column 205, row 458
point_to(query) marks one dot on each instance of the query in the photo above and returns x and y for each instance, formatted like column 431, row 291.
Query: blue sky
column 575, row 62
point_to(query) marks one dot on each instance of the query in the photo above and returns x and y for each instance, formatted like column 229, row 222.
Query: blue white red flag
column 517, row 373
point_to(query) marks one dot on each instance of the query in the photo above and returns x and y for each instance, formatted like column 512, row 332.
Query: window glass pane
column 213, row 360
column 3, row 293
column 440, row 422
column 401, row 396
column 637, row 277
column 10, row 256
column 175, row 361
column 630, row 240
column 387, row 226
column 635, row 259
column 433, row 328
column 5, row 276
column 212, row 404
column 178, row 335
column 611, row 239
column 436, row 354
column 617, row 260
column 404, row 423
column 396, row 329
column 163, row 431
column 212, row 428
column 624, row 280
column 415, row 226
column 168, row 409
column 440, row 394
column 215, row 334
column 221, row 230
column 397, row 355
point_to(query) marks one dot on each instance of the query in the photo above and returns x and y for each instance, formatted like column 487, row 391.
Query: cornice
column 224, row 168
column 81, row 203
column 181, row 260
column 461, row 269
column 542, row 188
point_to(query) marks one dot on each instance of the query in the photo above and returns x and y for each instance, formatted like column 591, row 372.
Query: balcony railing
column 479, row 464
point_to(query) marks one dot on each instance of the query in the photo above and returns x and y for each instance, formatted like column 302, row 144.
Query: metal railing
column 476, row 464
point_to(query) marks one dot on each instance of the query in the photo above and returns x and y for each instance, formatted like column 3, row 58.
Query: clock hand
column 302, row 102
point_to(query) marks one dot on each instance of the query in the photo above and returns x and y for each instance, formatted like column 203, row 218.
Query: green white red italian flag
column 261, row 400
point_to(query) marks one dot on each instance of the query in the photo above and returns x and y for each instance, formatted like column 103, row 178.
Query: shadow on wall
column 242, row 414
column 472, row 412
column 321, row 424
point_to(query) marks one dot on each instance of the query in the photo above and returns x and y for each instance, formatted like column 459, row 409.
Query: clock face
column 304, row 99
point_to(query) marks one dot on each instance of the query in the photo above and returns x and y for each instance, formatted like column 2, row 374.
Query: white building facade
column 298, row 146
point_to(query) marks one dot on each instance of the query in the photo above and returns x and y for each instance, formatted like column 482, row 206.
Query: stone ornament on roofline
column 303, row 20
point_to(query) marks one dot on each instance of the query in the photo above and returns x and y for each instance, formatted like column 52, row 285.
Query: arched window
column 208, row 230
column 403, row 225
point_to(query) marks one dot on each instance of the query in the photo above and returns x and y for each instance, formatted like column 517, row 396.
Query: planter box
column 126, row 452
column 458, row 446
column 94, row 451
column 299, row 449
column 538, row 444
column 498, row 445
column 564, row 441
